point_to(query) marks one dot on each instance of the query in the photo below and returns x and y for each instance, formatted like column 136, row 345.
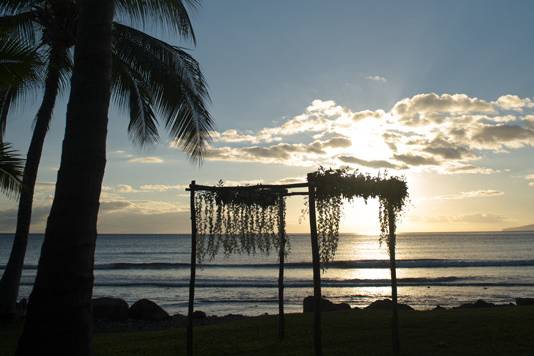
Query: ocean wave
column 348, row 264
column 325, row 283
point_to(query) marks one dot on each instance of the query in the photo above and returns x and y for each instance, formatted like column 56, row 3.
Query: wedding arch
column 251, row 219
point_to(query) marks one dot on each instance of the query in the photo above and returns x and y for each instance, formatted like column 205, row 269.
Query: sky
column 438, row 92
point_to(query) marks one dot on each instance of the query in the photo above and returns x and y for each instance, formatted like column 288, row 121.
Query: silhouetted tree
column 149, row 77
column 59, row 310
column 59, row 319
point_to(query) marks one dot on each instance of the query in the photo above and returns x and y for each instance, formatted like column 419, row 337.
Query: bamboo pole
column 189, row 334
column 317, row 342
column 251, row 187
column 393, row 270
column 281, row 254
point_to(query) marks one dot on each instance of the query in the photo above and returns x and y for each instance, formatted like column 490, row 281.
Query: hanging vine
column 238, row 220
column 333, row 186
column 247, row 219
column 394, row 194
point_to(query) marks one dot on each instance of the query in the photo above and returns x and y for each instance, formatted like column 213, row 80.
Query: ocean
column 445, row 269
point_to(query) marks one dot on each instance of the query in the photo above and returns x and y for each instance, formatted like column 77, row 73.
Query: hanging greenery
column 393, row 197
column 238, row 220
column 333, row 186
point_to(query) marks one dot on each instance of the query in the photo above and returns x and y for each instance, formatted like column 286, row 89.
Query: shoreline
column 164, row 320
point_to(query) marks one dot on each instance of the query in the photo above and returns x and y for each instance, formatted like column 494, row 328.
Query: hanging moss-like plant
column 237, row 220
column 393, row 197
column 334, row 186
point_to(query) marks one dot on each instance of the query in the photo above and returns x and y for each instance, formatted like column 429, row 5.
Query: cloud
column 146, row 160
column 337, row 142
column 488, row 193
column 530, row 179
column 427, row 108
column 480, row 218
column 125, row 188
column 127, row 222
column 439, row 146
column 116, row 217
column 320, row 116
column 234, row 136
column 370, row 164
column 416, row 160
column 376, row 78
column 135, row 215
column 459, row 168
column 161, row 187
column 444, row 133
column 510, row 136
column 514, row 102
column 290, row 180
column 299, row 154
column 476, row 218
column 8, row 218
column 111, row 206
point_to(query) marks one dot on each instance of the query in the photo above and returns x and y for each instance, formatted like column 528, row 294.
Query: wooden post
column 189, row 333
column 281, row 254
column 317, row 343
column 393, row 270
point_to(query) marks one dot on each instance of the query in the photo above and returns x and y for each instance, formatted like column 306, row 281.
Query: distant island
column 520, row 228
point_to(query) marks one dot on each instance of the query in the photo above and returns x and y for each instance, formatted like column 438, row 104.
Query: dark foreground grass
column 497, row 331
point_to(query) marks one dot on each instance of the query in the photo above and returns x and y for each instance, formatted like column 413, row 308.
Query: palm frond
column 9, row 7
column 130, row 92
column 170, row 14
column 20, row 68
column 20, row 26
column 65, row 65
column 18, row 62
column 11, row 168
column 176, row 83
column 6, row 99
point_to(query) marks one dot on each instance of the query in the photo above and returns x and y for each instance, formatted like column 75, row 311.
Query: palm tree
column 58, row 319
column 149, row 76
column 59, row 309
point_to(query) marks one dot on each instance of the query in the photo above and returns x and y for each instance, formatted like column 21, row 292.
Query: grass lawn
column 498, row 331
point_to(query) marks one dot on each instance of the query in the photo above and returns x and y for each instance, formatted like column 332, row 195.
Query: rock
column 524, row 301
column 114, row 309
column 145, row 309
column 387, row 304
column 439, row 307
column 478, row 304
column 308, row 305
column 198, row 314
column 179, row 316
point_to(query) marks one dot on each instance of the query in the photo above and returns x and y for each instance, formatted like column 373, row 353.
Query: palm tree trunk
column 59, row 310
column 393, row 270
column 10, row 282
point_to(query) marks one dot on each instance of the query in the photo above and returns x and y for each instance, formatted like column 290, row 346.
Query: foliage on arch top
column 334, row 186
column 238, row 220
